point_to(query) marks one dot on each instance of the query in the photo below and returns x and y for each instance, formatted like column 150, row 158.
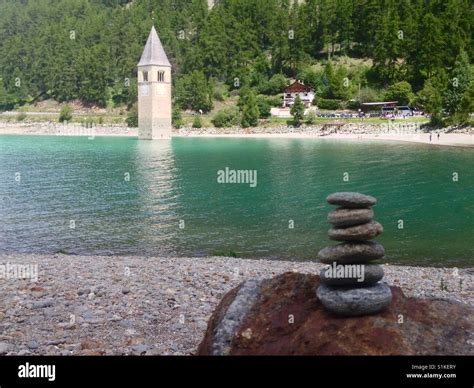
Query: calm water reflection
column 126, row 196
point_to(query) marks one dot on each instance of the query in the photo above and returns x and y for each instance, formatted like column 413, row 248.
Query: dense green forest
column 417, row 51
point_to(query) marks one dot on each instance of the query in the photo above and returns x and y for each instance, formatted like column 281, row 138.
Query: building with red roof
column 305, row 92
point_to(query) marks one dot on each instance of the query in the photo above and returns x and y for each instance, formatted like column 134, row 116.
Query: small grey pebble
column 33, row 345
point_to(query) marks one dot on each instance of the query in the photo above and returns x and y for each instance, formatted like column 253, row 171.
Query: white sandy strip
column 450, row 139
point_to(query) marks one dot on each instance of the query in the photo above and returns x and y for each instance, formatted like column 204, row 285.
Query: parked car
column 404, row 111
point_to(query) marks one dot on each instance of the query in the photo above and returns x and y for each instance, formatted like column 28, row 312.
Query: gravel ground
column 151, row 305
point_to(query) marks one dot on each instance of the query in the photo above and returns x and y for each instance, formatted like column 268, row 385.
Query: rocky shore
column 398, row 132
column 151, row 305
column 341, row 128
column 58, row 129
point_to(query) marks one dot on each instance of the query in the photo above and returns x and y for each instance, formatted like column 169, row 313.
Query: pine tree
column 400, row 92
column 426, row 56
column 17, row 89
column 467, row 102
column 4, row 98
column 297, row 111
column 193, row 91
column 248, row 108
column 313, row 28
column 459, row 82
column 430, row 99
column 386, row 51
column 338, row 82
column 344, row 22
column 366, row 19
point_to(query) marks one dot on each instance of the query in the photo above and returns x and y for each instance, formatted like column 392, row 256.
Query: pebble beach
column 116, row 305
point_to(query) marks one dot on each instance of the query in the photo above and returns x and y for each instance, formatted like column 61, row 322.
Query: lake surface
column 122, row 196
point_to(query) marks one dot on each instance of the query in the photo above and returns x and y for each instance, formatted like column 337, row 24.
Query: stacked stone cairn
column 350, row 281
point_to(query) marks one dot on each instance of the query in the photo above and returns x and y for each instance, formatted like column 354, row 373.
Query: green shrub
column 89, row 122
column 263, row 107
column 66, row 113
column 311, row 117
column 21, row 116
column 132, row 117
column 224, row 253
column 369, row 95
column 197, row 123
column 274, row 101
column 400, row 92
column 226, row 117
column 220, row 91
column 353, row 104
column 274, row 85
column 324, row 103
column 436, row 121
column 176, row 118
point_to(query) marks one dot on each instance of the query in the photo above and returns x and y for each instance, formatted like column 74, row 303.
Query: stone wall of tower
column 154, row 103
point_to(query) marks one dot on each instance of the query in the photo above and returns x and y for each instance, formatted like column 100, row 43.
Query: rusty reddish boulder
column 282, row 316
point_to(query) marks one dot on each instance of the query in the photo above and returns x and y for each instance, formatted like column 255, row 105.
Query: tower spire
column 154, row 53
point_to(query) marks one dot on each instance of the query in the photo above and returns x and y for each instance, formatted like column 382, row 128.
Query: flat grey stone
column 234, row 316
column 88, row 315
column 83, row 291
column 140, row 349
column 351, row 200
column 126, row 323
column 33, row 345
column 4, row 347
column 352, row 252
column 343, row 217
column 43, row 304
column 355, row 301
column 356, row 233
column 355, row 275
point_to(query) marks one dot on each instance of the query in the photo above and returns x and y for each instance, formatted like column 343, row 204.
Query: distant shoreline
column 449, row 140
column 352, row 132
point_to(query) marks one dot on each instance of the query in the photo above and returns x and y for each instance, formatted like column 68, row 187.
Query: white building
column 305, row 92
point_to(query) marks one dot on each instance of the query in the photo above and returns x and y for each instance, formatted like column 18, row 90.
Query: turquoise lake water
column 70, row 194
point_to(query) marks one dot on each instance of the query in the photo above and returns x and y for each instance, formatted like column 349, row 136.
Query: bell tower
column 154, row 91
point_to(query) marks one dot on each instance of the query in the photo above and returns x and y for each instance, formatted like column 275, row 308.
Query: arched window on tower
column 161, row 76
column 145, row 76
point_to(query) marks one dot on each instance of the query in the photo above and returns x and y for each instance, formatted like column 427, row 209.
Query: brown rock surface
column 287, row 319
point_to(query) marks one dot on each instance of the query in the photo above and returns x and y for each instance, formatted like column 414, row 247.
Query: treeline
column 88, row 49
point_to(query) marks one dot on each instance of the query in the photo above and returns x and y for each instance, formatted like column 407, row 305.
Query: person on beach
column 438, row 136
column 430, row 137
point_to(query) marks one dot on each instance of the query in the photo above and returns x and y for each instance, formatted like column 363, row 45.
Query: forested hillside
column 88, row 49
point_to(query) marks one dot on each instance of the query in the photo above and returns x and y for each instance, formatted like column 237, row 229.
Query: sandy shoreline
column 353, row 133
column 152, row 305
column 446, row 139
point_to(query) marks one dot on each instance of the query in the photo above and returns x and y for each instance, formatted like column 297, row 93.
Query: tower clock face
column 144, row 90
